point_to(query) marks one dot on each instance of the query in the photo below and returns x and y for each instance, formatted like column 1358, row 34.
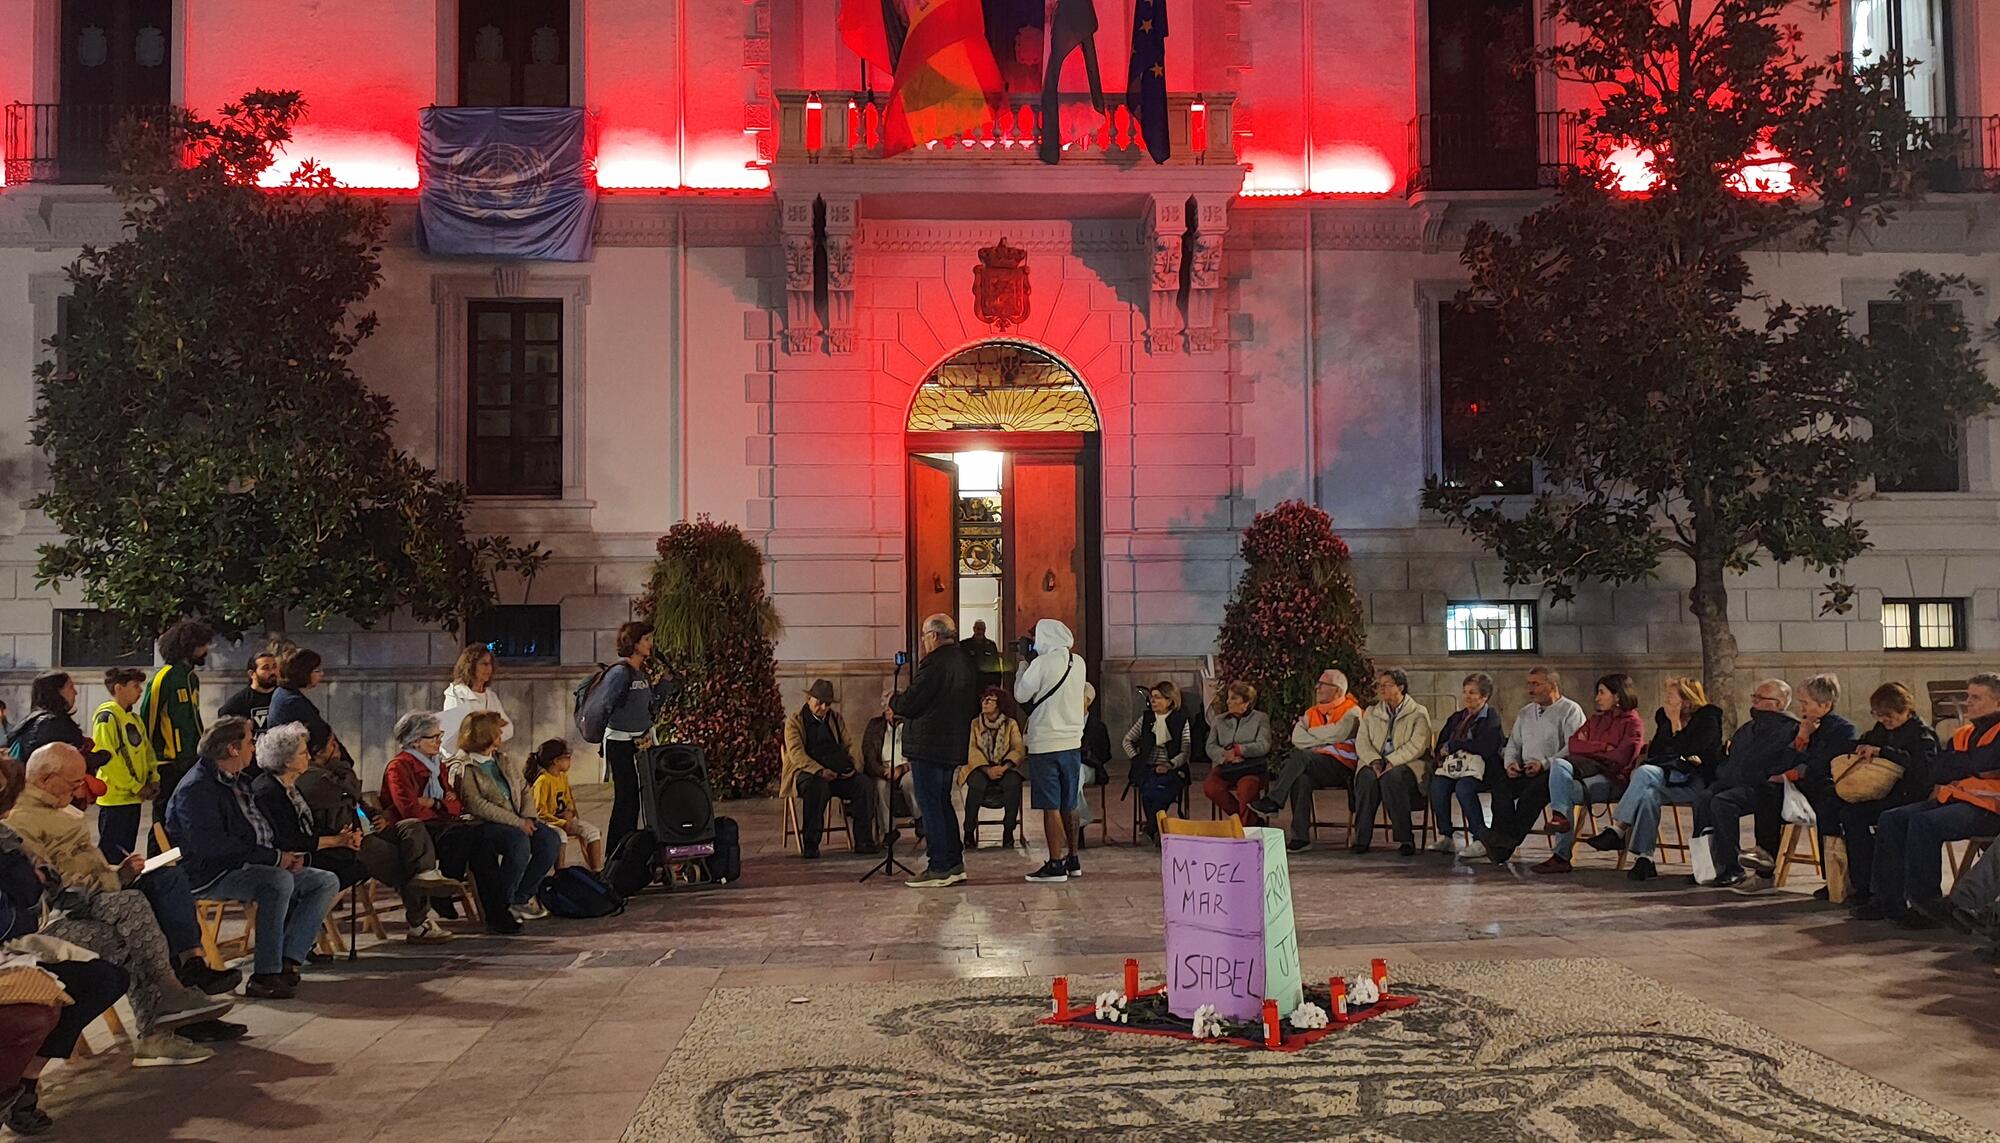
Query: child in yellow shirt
column 131, row 778
column 548, row 769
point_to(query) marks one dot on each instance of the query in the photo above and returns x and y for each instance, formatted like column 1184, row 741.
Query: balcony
column 64, row 142
column 1493, row 152
column 1967, row 158
column 846, row 127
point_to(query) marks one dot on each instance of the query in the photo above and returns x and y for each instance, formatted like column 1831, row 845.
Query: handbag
column 1857, row 779
column 1462, row 764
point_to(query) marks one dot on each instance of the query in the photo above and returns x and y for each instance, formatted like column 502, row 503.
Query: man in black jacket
column 1759, row 752
column 938, row 709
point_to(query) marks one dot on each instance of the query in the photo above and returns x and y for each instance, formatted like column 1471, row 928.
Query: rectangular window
column 1923, row 625
column 1465, row 349
column 1484, row 627
column 86, row 637
column 519, row 633
column 1918, row 32
column 1482, row 131
column 513, row 53
column 514, row 389
column 1936, row 466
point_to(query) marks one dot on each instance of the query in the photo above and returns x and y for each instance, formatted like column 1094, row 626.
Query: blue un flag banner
column 1146, row 80
column 505, row 182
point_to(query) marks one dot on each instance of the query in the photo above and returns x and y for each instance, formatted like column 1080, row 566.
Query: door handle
column 937, row 584
column 1049, row 580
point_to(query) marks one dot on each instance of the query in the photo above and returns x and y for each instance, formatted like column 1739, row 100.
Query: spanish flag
column 947, row 82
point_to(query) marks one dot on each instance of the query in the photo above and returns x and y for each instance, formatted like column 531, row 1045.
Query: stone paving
column 558, row 1033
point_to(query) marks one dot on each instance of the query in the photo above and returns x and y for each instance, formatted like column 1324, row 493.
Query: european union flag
column 1146, row 81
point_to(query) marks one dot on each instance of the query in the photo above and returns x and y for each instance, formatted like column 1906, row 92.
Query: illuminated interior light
column 1352, row 168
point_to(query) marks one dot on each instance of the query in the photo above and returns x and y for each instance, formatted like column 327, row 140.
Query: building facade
column 959, row 378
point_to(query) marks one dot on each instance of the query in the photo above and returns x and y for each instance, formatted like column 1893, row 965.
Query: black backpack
column 635, row 864
column 726, row 865
column 574, row 891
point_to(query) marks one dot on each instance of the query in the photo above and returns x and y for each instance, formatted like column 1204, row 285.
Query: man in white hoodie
column 1050, row 689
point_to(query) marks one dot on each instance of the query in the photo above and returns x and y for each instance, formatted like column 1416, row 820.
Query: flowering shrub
column 715, row 628
column 1294, row 612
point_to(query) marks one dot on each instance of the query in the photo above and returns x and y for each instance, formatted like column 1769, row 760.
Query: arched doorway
column 1004, row 504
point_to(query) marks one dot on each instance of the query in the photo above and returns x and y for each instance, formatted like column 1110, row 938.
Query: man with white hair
column 937, row 712
column 1760, row 752
column 1322, row 756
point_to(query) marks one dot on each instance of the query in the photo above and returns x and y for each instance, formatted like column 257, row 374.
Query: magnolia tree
column 211, row 451
column 1294, row 612
column 1669, row 407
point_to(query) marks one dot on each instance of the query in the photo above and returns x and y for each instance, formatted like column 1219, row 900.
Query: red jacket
column 404, row 782
column 1612, row 740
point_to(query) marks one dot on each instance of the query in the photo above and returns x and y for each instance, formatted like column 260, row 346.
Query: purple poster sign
column 1214, row 896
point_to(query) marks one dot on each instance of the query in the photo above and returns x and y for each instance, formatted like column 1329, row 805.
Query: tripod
column 890, row 834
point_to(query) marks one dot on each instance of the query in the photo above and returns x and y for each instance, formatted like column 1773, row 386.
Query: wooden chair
column 1670, row 813
column 1139, row 809
column 210, row 913
column 112, row 1024
column 795, row 838
column 1790, row 854
column 978, row 815
column 1966, row 856
column 1231, row 826
column 361, row 896
column 1947, row 702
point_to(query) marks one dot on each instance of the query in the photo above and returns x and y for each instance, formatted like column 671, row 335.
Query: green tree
column 715, row 630
column 210, row 449
column 1294, row 613
column 1669, row 407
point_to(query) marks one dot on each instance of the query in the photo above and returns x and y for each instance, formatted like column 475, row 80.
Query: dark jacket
column 214, row 837
column 1479, row 735
column 1696, row 750
column 293, row 832
column 1760, row 750
column 46, row 726
column 871, row 748
column 289, row 706
column 1914, row 747
column 20, row 888
column 942, row 700
column 1834, row 737
column 623, row 700
column 332, row 790
column 1096, row 746
column 1141, row 744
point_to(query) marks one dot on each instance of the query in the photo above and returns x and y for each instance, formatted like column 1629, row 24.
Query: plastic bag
column 1797, row 809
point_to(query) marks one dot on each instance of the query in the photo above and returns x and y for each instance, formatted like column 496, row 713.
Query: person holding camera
column 1050, row 689
column 1467, row 749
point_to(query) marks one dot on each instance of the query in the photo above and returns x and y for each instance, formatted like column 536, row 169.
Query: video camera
column 1025, row 647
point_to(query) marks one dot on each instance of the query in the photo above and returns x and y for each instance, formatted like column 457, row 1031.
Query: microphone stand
column 890, row 834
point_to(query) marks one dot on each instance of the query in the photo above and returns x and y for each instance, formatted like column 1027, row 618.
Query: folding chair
column 1789, row 852
column 362, row 895
column 1231, row 826
column 1670, row 813
column 1967, row 856
column 795, row 838
column 210, row 913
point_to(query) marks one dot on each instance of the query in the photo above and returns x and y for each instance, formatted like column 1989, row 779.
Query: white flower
column 1362, row 992
column 1206, row 1023
column 1308, row 1016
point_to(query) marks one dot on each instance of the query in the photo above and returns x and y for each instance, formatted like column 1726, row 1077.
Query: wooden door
column 117, row 52
column 933, row 543
column 1042, row 551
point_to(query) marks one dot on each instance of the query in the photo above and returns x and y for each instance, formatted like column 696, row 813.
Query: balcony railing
column 64, row 142
column 846, row 126
column 1493, row 151
column 1967, row 155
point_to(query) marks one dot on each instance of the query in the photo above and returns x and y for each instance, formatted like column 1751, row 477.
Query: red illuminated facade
column 778, row 326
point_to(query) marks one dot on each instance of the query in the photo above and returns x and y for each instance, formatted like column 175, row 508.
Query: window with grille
column 1485, row 627
column 1465, row 353
column 514, row 388
column 519, row 633
column 1935, row 462
column 513, row 53
column 86, row 637
column 1923, row 625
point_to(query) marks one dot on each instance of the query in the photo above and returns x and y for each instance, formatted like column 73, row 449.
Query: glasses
column 438, row 737
column 1327, row 683
column 1772, row 699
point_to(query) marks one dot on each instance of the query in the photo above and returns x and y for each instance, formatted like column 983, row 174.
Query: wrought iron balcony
column 64, row 142
column 1967, row 156
column 846, row 127
column 1492, row 151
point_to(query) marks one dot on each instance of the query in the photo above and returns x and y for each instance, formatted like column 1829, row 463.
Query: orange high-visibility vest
column 1982, row 791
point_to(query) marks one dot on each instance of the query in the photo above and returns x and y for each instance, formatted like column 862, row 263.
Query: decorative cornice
column 1088, row 236
column 53, row 220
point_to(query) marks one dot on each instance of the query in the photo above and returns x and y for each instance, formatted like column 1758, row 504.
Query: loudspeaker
column 673, row 794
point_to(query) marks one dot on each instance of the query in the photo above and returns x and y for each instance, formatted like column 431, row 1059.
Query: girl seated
column 548, row 769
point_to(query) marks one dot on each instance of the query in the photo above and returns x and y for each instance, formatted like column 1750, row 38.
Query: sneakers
column 1407, row 849
column 190, row 1007
column 26, row 1117
column 1556, row 863
column 1296, row 844
column 1072, row 866
column 1752, row 883
column 1443, row 844
column 1051, row 872
column 164, row 1049
column 529, row 910
column 1472, row 850
column 1605, row 841
column 1729, row 880
column 269, row 986
column 937, row 878
column 432, row 883
column 1265, row 808
column 1642, row 870
column 212, row 1032
column 215, row 982
column 1757, row 861
column 428, row 933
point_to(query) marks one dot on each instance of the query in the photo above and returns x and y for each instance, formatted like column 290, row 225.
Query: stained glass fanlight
column 1006, row 387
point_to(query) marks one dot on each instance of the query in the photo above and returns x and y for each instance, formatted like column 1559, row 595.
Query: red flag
column 947, row 82
column 873, row 30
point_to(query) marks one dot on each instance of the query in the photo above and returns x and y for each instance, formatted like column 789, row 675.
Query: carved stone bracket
column 1211, row 224
column 1166, row 230
column 795, row 235
column 842, row 217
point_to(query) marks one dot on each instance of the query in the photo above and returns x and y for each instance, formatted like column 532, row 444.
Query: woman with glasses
column 417, row 786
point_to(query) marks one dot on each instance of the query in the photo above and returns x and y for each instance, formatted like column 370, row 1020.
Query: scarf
column 492, row 768
column 299, row 807
column 1161, row 733
column 433, row 775
column 992, row 731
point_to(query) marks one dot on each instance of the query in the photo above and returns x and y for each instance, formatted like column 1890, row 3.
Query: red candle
column 1339, row 991
column 1271, row 1037
column 1062, row 995
column 1380, row 971
column 1131, row 977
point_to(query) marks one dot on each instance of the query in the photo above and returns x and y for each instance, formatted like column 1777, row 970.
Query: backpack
column 580, row 698
column 574, row 891
column 17, row 743
column 635, row 864
column 726, row 865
